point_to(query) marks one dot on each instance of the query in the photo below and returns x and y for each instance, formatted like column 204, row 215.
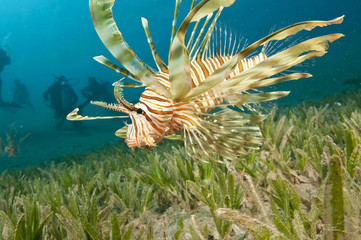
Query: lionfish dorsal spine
column 218, row 76
column 103, row 60
column 314, row 47
column 158, row 61
column 191, row 45
column 204, row 46
column 101, row 12
column 180, row 77
column 174, row 22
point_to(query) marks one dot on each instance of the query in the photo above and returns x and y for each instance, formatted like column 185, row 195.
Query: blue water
column 58, row 37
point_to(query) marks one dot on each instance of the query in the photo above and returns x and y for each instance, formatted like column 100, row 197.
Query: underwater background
column 79, row 181
column 58, row 38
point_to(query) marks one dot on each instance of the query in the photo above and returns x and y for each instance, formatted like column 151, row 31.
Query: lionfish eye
column 139, row 110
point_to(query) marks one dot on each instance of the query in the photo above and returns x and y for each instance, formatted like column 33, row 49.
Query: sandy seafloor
column 46, row 143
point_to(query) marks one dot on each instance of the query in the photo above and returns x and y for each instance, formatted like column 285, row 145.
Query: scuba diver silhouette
column 96, row 91
column 62, row 99
column 5, row 60
column 21, row 95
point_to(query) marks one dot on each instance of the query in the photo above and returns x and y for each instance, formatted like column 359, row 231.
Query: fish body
column 163, row 117
column 205, row 75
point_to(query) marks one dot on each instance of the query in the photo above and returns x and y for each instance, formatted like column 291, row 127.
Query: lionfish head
column 140, row 132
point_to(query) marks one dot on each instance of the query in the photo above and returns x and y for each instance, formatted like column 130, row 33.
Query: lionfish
column 205, row 78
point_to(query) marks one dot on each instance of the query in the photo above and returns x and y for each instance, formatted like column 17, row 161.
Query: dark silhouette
column 355, row 81
column 5, row 60
column 21, row 95
column 62, row 99
column 96, row 91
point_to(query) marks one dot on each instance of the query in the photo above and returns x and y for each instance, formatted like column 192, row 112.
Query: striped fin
column 288, row 31
column 158, row 61
column 199, row 34
column 192, row 35
column 174, row 22
column 101, row 12
column 195, row 26
column 206, row 41
column 73, row 116
column 174, row 137
column 271, row 81
column 282, row 61
column 237, row 98
column 219, row 75
column 130, row 84
column 122, row 132
column 256, row 97
column 179, row 64
column 226, row 133
column 103, row 60
column 211, row 6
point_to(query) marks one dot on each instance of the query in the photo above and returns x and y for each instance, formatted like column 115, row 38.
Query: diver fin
column 9, row 105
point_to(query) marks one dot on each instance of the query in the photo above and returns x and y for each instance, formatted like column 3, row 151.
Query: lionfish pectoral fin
column 314, row 47
column 227, row 133
column 275, row 80
column 128, row 84
column 122, row 132
column 73, row 116
column 174, row 137
column 179, row 70
column 179, row 62
column 103, row 60
column 212, row 81
column 288, row 31
column 160, row 64
column 211, row 6
column 256, row 97
column 102, row 17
